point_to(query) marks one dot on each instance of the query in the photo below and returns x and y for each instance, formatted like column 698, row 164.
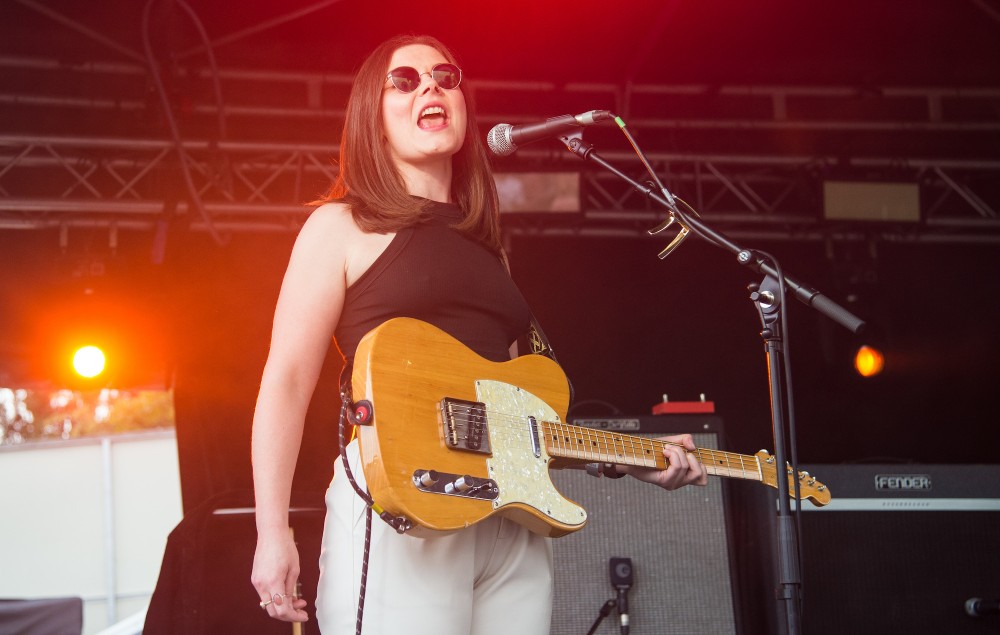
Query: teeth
column 432, row 110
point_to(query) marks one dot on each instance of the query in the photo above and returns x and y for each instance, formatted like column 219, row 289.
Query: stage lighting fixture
column 88, row 361
column 869, row 361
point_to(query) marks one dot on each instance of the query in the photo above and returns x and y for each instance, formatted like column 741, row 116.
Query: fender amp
column 901, row 548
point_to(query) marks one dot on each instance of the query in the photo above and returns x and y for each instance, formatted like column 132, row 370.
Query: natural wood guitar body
column 455, row 438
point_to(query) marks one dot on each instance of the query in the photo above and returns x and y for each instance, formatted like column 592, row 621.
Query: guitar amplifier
column 678, row 543
column 901, row 548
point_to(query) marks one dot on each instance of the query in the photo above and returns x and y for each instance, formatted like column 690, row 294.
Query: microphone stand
column 603, row 613
column 768, row 296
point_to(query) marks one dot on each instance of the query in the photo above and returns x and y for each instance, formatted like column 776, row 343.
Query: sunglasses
column 406, row 79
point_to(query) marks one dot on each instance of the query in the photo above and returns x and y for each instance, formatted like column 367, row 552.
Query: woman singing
column 410, row 228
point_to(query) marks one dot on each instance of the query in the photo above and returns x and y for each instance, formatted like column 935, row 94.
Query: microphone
column 978, row 607
column 621, row 579
column 504, row 138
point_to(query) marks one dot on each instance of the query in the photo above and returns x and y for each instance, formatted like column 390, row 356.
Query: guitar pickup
column 465, row 425
column 463, row 485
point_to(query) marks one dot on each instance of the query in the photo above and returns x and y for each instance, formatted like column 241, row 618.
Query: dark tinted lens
column 447, row 75
column 405, row 78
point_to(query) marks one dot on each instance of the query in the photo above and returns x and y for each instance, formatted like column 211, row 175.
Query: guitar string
column 465, row 413
column 607, row 439
column 518, row 424
column 610, row 445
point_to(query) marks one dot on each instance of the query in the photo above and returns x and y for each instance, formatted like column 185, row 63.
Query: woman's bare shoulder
column 330, row 224
column 332, row 215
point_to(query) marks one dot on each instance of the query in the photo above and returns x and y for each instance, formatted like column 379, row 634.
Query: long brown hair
column 369, row 180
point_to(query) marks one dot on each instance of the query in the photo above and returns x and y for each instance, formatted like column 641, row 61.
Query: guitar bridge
column 465, row 425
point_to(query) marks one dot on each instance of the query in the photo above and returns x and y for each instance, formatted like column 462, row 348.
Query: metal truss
column 134, row 184
column 781, row 198
column 108, row 175
column 50, row 182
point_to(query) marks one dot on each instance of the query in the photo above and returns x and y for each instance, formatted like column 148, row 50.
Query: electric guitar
column 449, row 438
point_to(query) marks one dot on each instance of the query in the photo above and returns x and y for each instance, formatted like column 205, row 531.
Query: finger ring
column 263, row 605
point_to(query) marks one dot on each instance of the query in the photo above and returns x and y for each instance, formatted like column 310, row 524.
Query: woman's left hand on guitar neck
column 683, row 467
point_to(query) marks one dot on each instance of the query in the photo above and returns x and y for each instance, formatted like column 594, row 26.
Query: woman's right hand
column 275, row 576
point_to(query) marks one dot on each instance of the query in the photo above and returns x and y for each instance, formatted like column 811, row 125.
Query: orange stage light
column 869, row 361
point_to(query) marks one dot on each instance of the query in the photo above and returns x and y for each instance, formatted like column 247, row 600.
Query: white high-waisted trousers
column 494, row 578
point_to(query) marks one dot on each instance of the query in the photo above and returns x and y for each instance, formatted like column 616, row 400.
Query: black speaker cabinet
column 677, row 541
column 901, row 548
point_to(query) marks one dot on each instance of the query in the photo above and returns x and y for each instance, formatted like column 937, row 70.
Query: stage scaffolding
column 84, row 145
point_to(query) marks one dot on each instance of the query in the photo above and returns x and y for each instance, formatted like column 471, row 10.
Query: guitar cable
column 356, row 415
column 342, row 429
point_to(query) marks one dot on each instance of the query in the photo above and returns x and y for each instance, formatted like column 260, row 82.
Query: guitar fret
column 573, row 442
column 576, row 442
column 720, row 463
column 595, row 447
column 648, row 452
column 604, row 446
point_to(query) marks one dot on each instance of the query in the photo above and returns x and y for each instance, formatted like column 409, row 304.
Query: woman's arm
column 308, row 308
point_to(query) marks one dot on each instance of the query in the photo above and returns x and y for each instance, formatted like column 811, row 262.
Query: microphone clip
column 574, row 143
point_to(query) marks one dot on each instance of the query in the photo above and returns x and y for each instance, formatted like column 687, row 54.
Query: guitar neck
column 586, row 445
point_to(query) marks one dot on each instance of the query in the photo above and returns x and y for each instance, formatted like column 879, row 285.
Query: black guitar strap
column 537, row 341
column 540, row 345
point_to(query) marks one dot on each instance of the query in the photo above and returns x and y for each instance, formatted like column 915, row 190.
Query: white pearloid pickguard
column 520, row 475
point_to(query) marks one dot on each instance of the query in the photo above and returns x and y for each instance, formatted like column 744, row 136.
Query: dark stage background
column 734, row 100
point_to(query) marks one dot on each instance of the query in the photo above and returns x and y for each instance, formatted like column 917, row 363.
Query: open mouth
column 432, row 117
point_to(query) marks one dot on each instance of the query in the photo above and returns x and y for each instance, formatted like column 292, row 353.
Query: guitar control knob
column 428, row 478
column 459, row 485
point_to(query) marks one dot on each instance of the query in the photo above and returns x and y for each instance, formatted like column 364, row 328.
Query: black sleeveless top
column 433, row 273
